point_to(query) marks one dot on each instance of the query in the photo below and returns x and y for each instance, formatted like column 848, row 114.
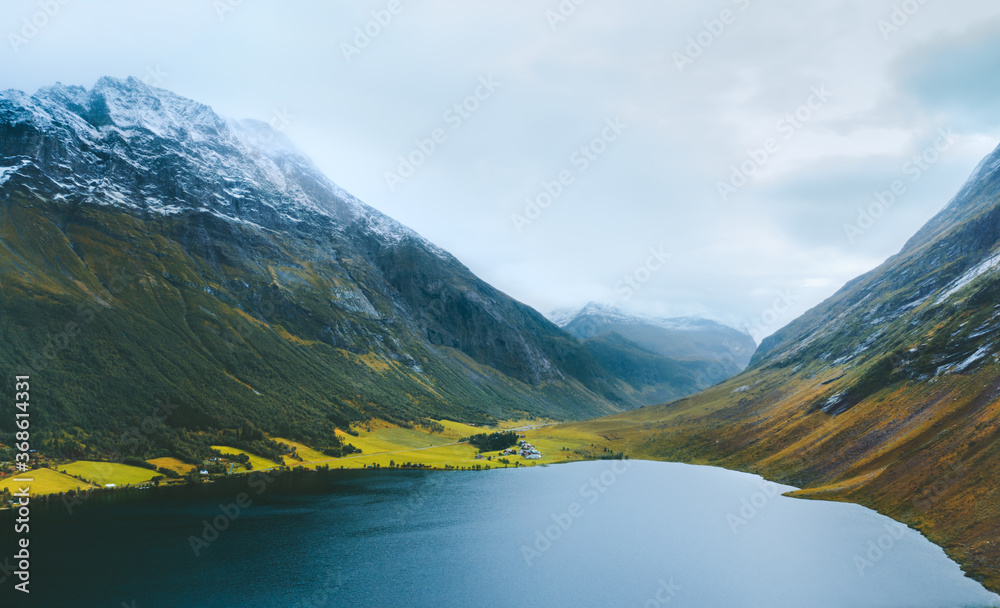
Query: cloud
column 955, row 75
column 654, row 186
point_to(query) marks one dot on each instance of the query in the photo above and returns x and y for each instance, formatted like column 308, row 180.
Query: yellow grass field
column 172, row 464
column 258, row 462
column 103, row 473
column 557, row 442
column 306, row 453
column 381, row 443
column 46, row 481
column 457, row 429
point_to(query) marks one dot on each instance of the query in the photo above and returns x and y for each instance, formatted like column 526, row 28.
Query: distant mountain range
column 665, row 359
column 888, row 393
column 151, row 249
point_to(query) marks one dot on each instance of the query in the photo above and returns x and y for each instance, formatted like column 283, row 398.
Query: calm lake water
column 601, row 534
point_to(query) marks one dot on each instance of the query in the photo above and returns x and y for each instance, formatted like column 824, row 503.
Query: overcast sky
column 641, row 109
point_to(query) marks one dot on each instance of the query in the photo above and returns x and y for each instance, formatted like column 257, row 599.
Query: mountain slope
column 662, row 359
column 887, row 394
column 151, row 250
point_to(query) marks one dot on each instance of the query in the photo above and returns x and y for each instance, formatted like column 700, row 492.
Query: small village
column 526, row 450
column 523, row 449
column 456, row 446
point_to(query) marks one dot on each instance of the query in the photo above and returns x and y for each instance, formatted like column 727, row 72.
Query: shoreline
column 288, row 481
column 584, row 447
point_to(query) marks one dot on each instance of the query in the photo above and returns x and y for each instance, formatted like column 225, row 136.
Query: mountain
column 663, row 359
column 152, row 251
column 887, row 394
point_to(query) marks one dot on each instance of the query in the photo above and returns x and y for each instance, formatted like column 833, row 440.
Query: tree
column 493, row 442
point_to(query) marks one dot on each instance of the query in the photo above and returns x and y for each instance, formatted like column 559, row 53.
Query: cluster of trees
column 340, row 451
column 242, row 459
column 193, row 476
column 472, row 467
column 494, row 442
column 408, row 465
column 138, row 462
column 154, row 439
column 431, row 426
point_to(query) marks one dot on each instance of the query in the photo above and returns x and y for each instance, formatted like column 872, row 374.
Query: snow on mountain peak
column 611, row 314
column 126, row 143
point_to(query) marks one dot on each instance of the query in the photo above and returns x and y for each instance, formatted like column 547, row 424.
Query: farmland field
column 46, row 481
column 102, row 473
column 256, row 461
column 173, row 464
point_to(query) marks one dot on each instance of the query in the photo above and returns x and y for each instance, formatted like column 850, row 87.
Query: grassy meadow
column 103, row 473
column 381, row 443
column 173, row 464
column 259, row 463
column 46, row 481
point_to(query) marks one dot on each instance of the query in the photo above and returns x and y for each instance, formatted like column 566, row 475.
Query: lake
column 595, row 534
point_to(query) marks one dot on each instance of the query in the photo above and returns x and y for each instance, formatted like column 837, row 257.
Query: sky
column 735, row 159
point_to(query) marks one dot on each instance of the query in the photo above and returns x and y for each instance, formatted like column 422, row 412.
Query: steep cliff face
column 152, row 249
column 888, row 393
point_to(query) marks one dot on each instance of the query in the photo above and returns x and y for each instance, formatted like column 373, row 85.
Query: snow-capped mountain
column 689, row 337
column 112, row 145
column 701, row 351
column 612, row 314
column 173, row 252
